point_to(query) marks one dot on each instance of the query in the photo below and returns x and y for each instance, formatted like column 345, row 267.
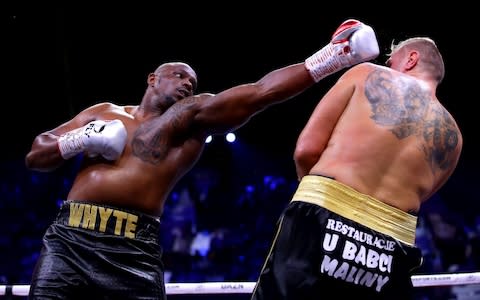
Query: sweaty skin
column 383, row 133
column 166, row 134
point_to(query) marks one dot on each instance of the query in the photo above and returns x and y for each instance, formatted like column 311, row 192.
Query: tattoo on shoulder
column 148, row 145
column 402, row 106
column 153, row 139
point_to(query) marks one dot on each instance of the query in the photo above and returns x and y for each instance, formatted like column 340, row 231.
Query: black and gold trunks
column 108, row 220
column 363, row 209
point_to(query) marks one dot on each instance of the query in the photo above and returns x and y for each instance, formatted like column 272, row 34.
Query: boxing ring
column 244, row 289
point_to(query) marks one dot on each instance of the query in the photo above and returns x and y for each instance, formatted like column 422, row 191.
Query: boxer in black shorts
column 133, row 155
column 390, row 144
column 99, row 252
column 333, row 238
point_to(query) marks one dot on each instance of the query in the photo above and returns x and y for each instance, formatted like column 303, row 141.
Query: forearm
column 275, row 87
column 285, row 83
column 104, row 138
column 231, row 108
column 44, row 155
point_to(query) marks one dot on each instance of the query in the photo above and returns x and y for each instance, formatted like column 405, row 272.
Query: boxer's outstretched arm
column 352, row 43
column 233, row 107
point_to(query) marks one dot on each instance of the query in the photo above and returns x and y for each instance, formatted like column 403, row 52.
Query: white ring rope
column 247, row 287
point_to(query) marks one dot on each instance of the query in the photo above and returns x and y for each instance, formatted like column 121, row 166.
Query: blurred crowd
column 213, row 227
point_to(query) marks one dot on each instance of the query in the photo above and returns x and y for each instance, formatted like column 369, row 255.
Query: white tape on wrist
column 323, row 63
column 71, row 143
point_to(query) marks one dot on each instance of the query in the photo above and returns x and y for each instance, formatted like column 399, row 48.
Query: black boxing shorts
column 334, row 241
column 99, row 252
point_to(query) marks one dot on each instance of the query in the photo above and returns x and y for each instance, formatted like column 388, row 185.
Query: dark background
column 57, row 61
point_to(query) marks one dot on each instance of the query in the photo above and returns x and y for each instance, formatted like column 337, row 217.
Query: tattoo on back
column 401, row 105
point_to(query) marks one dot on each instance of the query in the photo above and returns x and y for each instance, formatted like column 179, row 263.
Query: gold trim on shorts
column 358, row 207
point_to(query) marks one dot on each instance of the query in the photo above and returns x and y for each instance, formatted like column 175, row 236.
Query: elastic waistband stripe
column 358, row 207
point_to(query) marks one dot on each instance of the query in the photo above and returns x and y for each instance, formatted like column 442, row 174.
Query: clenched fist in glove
column 105, row 138
column 353, row 42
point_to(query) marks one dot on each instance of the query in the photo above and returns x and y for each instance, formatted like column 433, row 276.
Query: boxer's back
column 394, row 140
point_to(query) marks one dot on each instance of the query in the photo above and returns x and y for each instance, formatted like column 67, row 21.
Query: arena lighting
column 208, row 139
column 230, row 137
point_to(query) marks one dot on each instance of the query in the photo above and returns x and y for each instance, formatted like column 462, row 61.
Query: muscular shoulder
column 192, row 102
column 99, row 111
column 204, row 96
column 197, row 98
column 104, row 107
column 188, row 107
column 362, row 69
column 357, row 75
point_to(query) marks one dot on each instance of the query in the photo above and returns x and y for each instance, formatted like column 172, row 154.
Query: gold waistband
column 361, row 208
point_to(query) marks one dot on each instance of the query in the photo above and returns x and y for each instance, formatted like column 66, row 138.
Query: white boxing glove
column 353, row 42
column 105, row 138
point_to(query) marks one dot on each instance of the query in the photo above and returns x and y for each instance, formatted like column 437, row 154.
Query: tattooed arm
column 445, row 143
